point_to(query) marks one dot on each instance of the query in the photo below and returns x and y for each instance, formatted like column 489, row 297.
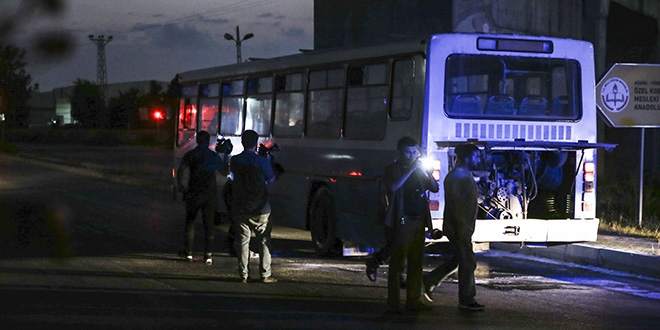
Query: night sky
column 156, row 39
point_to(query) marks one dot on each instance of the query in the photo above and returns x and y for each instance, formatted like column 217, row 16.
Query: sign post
column 629, row 96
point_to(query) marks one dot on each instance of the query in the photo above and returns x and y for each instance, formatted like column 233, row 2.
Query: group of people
column 405, row 222
column 408, row 216
column 250, row 209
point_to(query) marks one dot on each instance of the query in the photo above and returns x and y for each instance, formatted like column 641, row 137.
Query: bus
column 336, row 115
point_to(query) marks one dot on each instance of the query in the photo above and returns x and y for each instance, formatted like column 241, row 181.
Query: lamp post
column 238, row 41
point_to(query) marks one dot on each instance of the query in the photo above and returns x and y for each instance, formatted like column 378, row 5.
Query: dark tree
column 123, row 109
column 88, row 106
column 15, row 85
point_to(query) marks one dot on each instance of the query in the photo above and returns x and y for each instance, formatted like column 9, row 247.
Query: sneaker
column 372, row 272
column 269, row 279
column 185, row 256
column 429, row 288
column 244, row 280
column 473, row 306
column 209, row 261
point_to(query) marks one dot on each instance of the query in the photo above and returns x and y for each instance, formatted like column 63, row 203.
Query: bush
column 618, row 205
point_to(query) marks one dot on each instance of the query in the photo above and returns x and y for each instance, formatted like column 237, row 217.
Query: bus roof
column 327, row 57
column 303, row 60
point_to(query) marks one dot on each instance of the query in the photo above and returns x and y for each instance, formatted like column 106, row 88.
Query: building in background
column 54, row 107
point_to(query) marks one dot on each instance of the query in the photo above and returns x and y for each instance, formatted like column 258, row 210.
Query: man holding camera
column 250, row 208
column 406, row 218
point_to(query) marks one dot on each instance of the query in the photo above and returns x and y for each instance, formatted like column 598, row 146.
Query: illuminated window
column 518, row 88
column 325, row 103
column 289, row 105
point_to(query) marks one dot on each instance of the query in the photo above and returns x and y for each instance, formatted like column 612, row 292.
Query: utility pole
column 101, row 77
column 238, row 41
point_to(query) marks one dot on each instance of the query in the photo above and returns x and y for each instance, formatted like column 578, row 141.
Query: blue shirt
column 251, row 173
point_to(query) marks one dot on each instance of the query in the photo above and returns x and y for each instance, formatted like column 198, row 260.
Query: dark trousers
column 466, row 262
column 407, row 245
column 207, row 207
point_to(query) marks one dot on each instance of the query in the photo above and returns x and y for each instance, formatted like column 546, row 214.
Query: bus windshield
column 512, row 88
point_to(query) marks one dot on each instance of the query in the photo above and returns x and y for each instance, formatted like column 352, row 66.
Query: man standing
column 201, row 192
column 458, row 226
column 406, row 217
column 250, row 208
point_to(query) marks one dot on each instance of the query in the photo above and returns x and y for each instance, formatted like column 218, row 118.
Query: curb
column 612, row 259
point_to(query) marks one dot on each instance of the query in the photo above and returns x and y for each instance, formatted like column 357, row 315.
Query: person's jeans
column 245, row 225
column 207, row 207
column 466, row 261
column 407, row 245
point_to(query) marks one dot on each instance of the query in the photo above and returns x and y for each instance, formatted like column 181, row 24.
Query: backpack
column 249, row 194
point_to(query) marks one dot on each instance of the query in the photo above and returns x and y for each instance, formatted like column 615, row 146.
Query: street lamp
column 238, row 41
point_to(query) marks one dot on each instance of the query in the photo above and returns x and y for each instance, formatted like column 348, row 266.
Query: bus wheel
column 322, row 224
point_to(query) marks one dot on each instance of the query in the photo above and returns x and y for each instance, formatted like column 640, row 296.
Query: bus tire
column 322, row 224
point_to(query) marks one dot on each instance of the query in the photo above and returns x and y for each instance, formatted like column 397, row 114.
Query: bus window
column 187, row 121
column 231, row 120
column 209, row 104
column 366, row 102
column 512, row 88
column 259, row 105
column 209, row 115
column 402, row 89
column 289, row 105
column 325, row 103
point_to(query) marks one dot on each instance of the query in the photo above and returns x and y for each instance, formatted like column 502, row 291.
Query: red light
column 589, row 171
column 355, row 173
column 158, row 115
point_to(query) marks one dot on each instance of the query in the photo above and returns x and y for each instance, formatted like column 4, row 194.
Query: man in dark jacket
column 406, row 218
column 200, row 193
column 458, row 226
column 250, row 208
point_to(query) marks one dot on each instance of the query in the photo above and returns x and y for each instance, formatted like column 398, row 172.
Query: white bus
column 336, row 115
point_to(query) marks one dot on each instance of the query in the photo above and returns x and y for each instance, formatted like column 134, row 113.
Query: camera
column 264, row 150
column 223, row 146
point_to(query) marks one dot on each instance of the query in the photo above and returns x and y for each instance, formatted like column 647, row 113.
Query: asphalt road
column 82, row 252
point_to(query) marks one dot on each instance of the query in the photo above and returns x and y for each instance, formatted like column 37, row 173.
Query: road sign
column 629, row 95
